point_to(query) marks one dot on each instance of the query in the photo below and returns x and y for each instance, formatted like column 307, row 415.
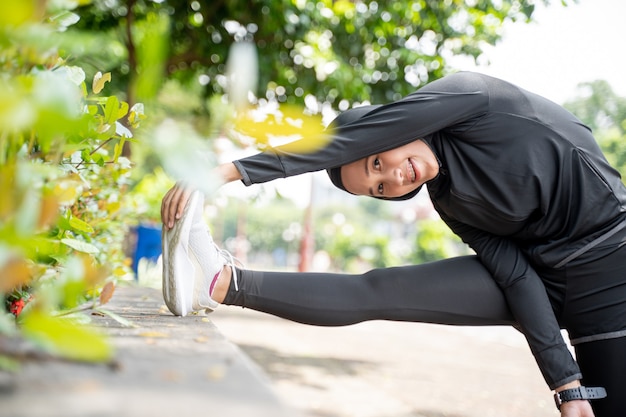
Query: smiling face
column 392, row 173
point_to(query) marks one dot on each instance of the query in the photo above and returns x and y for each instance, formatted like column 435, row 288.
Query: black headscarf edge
column 334, row 173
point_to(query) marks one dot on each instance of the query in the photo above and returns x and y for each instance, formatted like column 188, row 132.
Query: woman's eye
column 380, row 189
column 376, row 163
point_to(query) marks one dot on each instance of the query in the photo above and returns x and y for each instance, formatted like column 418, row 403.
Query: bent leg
column 456, row 291
column 603, row 364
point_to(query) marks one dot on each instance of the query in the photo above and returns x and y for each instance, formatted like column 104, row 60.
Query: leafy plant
column 61, row 172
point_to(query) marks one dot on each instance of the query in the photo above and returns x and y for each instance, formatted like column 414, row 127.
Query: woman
column 517, row 177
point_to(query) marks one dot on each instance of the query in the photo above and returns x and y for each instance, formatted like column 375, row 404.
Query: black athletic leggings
column 455, row 291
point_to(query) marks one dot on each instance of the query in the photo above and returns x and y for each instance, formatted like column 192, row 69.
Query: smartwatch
column 578, row 393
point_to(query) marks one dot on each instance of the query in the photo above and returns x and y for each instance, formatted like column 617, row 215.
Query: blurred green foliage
column 273, row 233
column 339, row 52
column 436, row 241
column 600, row 108
column 61, row 175
column 364, row 235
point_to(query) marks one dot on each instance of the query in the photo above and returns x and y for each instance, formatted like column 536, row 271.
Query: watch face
column 557, row 401
column 568, row 395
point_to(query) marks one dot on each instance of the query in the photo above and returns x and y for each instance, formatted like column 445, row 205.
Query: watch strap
column 578, row 393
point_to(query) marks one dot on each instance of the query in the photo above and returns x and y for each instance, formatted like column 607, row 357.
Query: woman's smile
column 411, row 172
column 392, row 173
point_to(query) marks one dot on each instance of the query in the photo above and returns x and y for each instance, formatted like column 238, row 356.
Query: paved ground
column 386, row 369
column 164, row 366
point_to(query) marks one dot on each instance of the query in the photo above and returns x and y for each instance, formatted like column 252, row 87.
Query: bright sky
column 565, row 46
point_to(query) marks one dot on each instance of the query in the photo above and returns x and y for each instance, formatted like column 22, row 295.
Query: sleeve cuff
column 245, row 178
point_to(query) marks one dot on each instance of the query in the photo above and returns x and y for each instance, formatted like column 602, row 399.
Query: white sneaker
column 209, row 261
column 192, row 262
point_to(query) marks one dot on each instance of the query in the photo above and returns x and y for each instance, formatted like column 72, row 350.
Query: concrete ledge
column 165, row 366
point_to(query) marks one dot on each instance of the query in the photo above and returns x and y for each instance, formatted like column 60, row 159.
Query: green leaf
column 121, row 320
column 118, row 148
column 123, row 109
column 80, row 246
column 85, row 155
column 65, row 338
column 111, row 110
column 98, row 159
column 64, row 19
column 80, row 225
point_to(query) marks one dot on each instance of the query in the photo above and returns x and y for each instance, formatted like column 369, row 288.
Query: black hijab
column 343, row 119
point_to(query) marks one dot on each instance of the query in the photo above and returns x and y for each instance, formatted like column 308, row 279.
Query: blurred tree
column 353, row 237
column 266, row 225
column 600, row 108
column 436, row 241
column 339, row 52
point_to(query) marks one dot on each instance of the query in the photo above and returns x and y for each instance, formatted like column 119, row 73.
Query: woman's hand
column 175, row 200
column 576, row 408
column 174, row 203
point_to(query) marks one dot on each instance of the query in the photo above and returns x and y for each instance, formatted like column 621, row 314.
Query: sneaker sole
column 178, row 269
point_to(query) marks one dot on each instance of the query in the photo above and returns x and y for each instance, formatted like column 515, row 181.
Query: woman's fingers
column 173, row 204
column 165, row 207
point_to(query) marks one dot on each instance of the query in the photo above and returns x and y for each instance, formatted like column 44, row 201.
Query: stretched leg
column 457, row 291
column 603, row 364
column 197, row 275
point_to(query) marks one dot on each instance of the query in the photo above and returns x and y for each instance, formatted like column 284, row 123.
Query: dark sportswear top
column 521, row 180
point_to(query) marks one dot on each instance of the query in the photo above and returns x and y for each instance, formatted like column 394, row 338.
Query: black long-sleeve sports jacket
column 521, row 180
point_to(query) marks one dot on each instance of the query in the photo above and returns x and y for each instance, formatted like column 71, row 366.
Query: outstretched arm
column 176, row 198
column 455, row 101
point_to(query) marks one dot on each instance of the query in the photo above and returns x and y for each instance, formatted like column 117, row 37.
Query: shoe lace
column 232, row 262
